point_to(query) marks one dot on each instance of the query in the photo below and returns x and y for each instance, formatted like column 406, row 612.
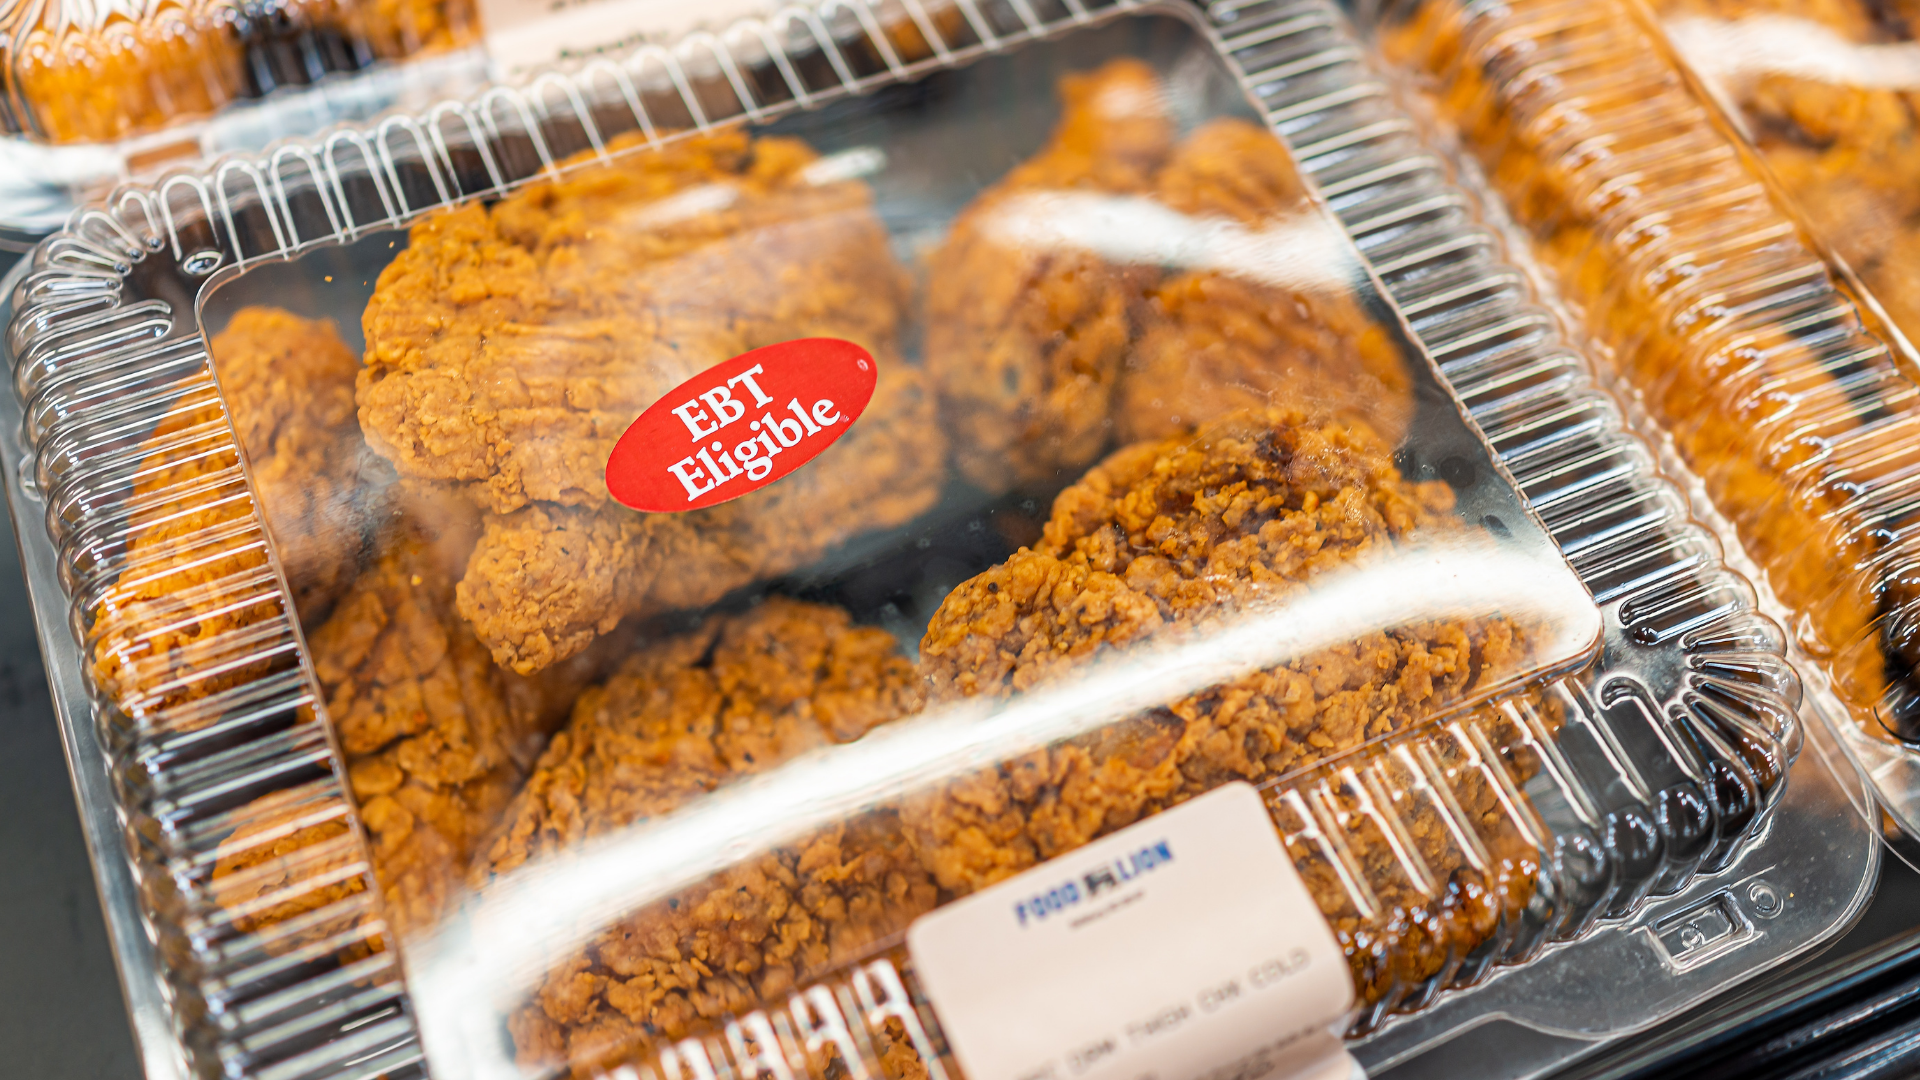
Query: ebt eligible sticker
column 741, row 425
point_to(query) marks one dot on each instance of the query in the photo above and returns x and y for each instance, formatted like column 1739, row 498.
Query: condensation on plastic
column 1763, row 362
column 1653, row 766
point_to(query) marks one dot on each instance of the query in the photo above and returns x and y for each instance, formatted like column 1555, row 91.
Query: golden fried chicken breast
column 510, row 347
column 1160, row 542
column 681, row 718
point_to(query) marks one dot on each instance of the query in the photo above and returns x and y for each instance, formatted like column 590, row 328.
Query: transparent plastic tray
column 1660, row 770
column 1772, row 373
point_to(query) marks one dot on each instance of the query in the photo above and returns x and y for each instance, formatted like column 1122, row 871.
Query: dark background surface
column 61, row 1016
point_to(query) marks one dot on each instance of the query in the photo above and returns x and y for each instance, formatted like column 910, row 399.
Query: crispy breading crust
column 288, row 388
column 1025, row 344
column 681, row 718
column 436, row 738
column 546, row 580
column 1213, row 342
column 1156, row 544
column 509, row 348
column 1043, row 355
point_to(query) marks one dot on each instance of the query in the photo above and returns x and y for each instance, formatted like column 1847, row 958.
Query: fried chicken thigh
column 1025, row 341
column 1062, row 312
column 1212, row 341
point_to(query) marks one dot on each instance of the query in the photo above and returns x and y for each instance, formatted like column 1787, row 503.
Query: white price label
column 526, row 35
column 1183, row 947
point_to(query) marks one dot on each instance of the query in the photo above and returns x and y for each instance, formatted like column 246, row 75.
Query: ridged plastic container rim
column 1868, row 340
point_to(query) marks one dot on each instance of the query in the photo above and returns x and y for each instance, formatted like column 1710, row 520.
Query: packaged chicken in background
column 1738, row 248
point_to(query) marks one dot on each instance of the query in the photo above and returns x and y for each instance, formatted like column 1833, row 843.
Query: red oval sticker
column 739, row 426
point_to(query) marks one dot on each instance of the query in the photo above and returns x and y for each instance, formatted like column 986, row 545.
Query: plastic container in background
column 1070, row 573
column 1776, row 379
column 96, row 92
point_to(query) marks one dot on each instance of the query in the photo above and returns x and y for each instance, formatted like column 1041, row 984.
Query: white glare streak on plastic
column 713, row 198
column 1736, row 52
column 1301, row 251
column 845, row 165
column 485, row 962
column 681, row 206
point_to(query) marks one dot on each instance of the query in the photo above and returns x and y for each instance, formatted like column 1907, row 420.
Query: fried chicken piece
column 682, row 718
column 288, row 384
column 1213, row 342
column 1157, row 544
column 547, row 579
column 1043, row 351
column 173, row 628
column 368, row 31
column 509, row 348
column 393, row 29
column 289, row 871
column 1847, row 152
column 436, row 739
column 1025, row 342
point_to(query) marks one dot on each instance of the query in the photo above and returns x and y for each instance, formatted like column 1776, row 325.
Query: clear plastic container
column 1773, row 372
column 435, row 756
